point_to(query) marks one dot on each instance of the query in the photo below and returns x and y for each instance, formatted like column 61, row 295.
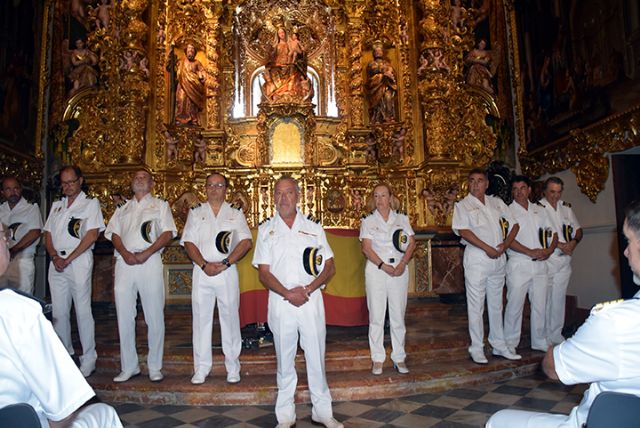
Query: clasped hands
column 494, row 253
column 394, row 271
column 137, row 258
column 297, row 296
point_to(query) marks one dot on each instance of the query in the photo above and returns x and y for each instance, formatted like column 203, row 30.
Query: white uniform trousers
column 20, row 274
column 74, row 285
column 307, row 322
column 98, row 415
column 508, row 418
column 525, row 276
column 145, row 279
column 203, row 301
column 559, row 271
column 484, row 277
column 382, row 288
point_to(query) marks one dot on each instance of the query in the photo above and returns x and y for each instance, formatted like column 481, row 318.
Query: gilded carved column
column 212, row 15
column 355, row 30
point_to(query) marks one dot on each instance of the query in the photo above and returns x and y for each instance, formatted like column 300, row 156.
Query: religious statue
column 82, row 75
column 103, row 11
column 285, row 77
column 172, row 146
column 382, row 88
column 199, row 150
column 190, row 90
column 479, row 62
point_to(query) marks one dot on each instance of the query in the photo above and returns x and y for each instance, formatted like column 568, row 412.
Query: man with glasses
column 72, row 228
column 140, row 229
column 24, row 224
column 216, row 237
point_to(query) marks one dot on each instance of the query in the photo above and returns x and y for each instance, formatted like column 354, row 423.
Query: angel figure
column 356, row 200
column 172, row 146
column 199, row 150
column 398, row 141
column 103, row 14
column 82, row 63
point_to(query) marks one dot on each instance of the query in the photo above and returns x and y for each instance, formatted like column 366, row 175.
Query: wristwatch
column 226, row 262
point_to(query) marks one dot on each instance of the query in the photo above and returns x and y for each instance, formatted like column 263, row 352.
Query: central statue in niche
column 285, row 75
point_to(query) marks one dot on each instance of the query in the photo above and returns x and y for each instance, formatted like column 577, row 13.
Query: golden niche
column 287, row 144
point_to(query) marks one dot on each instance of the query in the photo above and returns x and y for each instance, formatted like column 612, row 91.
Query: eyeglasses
column 215, row 185
column 70, row 182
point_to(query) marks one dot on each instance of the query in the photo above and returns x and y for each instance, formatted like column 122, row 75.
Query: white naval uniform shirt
column 203, row 226
column 282, row 248
column 563, row 215
column 84, row 208
column 23, row 218
column 380, row 233
column 603, row 351
column 35, row 368
column 530, row 221
column 482, row 219
column 128, row 219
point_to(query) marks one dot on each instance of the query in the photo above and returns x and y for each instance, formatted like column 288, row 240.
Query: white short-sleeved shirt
column 604, row 351
column 531, row 221
column 282, row 248
column 482, row 219
column 23, row 218
column 132, row 220
column 84, row 209
column 563, row 215
column 381, row 232
column 35, row 368
column 203, row 226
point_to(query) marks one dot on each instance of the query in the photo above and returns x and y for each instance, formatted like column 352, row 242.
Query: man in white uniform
column 139, row 230
column 487, row 230
column 603, row 351
column 296, row 308
column 208, row 233
column 526, row 267
column 24, row 223
column 73, row 226
column 566, row 225
column 36, row 369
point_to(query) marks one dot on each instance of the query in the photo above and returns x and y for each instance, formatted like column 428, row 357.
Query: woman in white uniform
column 388, row 243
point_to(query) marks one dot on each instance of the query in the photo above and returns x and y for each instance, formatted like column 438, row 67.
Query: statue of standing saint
column 382, row 88
column 190, row 89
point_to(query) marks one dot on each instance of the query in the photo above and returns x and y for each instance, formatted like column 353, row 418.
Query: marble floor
column 470, row 406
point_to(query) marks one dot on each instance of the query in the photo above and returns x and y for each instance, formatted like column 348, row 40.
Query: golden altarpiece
column 340, row 94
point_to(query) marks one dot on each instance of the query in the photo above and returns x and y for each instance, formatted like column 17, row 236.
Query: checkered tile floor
column 464, row 407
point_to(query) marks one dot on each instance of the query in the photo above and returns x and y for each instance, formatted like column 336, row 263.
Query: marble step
column 260, row 389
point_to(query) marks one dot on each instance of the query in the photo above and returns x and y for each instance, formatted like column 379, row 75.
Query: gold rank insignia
column 567, row 232
column 400, row 240
column 312, row 261
column 74, row 227
column 504, row 227
column 544, row 235
column 600, row 306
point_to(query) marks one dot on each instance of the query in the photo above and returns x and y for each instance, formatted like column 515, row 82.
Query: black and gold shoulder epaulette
column 403, row 212
column 121, row 204
column 368, row 214
column 566, row 204
column 266, row 220
column 196, row 205
column 541, row 204
column 313, row 219
column 236, row 206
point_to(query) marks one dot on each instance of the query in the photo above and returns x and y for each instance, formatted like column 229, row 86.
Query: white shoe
column 506, row 353
column 233, row 378
column 478, row 357
column 376, row 368
column 125, row 376
column 286, row 424
column 198, row 378
column 328, row 422
column 401, row 367
column 86, row 368
column 155, row 375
